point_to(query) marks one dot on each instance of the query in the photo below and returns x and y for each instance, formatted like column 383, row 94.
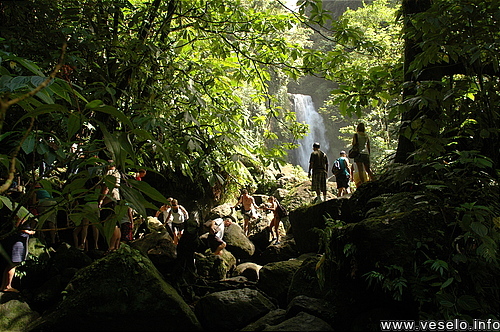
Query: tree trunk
column 411, row 50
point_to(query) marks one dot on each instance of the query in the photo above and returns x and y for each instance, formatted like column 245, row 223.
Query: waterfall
column 305, row 112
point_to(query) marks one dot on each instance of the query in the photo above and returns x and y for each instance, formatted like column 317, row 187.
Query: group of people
column 101, row 200
column 249, row 211
column 318, row 166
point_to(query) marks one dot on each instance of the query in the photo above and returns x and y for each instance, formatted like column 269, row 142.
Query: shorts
column 363, row 158
column 342, row 181
column 178, row 227
column 214, row 242
column 248, row 214
column 319, row 181
column 18, row 246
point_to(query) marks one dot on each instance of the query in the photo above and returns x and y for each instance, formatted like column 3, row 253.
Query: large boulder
column 275, row 279
column 222, row 211
column 47, row 276
column 15, row 313
column 248, row 270
column 214, row 267
column 237, row 243
column 313, row 306
column 305, row 280
column 305, row 219
column 302, row 322
column 284, row 251
column 273, row 317
column 158, row 246
column 232, row 309
column 122, row 291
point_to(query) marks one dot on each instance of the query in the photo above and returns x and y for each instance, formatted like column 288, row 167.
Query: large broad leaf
column 98, row 105
column 22, row 212
column 136, row 200
column 148, row 190
column 114, row 146
column 74, row 124
column 43, row 109
column 29, row 143
column 126, row 144
column 468, row 302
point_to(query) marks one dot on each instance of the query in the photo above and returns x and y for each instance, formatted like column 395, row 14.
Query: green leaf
column 74, row 124
column 98, row 106
column 468, row 302
column 113, row 145
column 148, row 190
column 137, row 201
column 29, row 144
column 43, row 109
column 479, row 228
column 447, row 282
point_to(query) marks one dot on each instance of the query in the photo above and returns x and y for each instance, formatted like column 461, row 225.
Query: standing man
column 318, row 164
column 249, row 209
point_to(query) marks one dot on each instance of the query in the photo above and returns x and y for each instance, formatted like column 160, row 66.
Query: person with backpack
column 342, row 172
column 318, row 164
column 278, row 212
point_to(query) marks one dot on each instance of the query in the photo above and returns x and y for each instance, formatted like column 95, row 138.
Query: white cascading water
column 305, row 112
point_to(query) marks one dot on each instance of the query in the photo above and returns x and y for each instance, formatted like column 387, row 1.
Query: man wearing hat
column 318, row 165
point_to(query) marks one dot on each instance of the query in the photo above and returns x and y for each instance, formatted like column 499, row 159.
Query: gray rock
column 305, row 280
column 316, row 307
column 222, row 211
column 284, row 251
column 237, row 243
column 275, row 279
column 156, row 243
column 305, row 219
column 215, row 267
column 249, row 270
column 274, row 317
column 232, row 309
column 15, row 314
column 302, row 322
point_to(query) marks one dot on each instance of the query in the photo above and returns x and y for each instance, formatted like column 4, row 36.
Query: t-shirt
column 343, row 166
column 319, row 160
column 115, row 192
column 42, row 194
column 178, row 216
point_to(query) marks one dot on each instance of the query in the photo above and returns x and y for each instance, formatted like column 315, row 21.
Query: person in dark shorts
column 344, row 176
column 362, row 141
column 17, row 246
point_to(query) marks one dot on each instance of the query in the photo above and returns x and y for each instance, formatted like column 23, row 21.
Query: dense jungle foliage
column 194, row 91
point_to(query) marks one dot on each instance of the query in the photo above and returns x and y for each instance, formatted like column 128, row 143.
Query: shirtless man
column 249, row 209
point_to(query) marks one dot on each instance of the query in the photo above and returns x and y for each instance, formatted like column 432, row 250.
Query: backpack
column 337, row 168
column 282, row 212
